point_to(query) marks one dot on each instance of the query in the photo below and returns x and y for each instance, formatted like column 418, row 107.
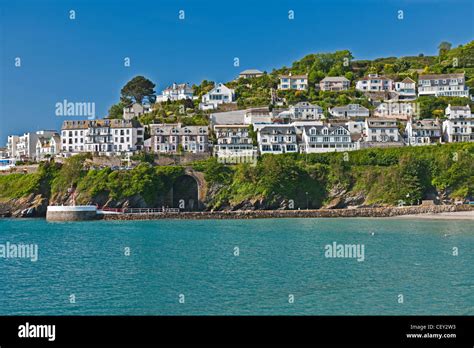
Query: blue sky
column 82, row 59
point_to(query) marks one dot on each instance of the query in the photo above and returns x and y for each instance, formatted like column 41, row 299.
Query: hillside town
column 236, row 134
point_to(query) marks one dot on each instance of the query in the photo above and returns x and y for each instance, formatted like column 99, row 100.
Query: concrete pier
column 71, row 213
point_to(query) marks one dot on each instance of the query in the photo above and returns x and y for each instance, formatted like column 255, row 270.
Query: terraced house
column 459, row 126
column 438, row 85
column 382, row 130
column 104, row 137
column 233, row 141
column 277, row 139
column 326, row 138
column 423, row 132
column 176, row 138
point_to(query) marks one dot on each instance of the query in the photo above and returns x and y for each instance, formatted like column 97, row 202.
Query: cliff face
column 33, row 205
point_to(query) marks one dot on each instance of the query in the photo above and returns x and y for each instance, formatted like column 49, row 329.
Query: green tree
column 136, row 90
column 116, row 111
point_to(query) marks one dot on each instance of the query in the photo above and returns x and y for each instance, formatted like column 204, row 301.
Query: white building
column 349, row 111
column 277, row 139
column 334, row 83
column 220, row 94
column 423, row 132
column 406, row 89
column 459, row 126
column 234, row 142
column 306, row 111
column 326, row 138
column 450, row 85
column 174, row 138
column 23, row 147
column 381, row 130
column 105, row 137
column 12, row 142
column 177, row 91
column 374, row 83
column 48, row 146
column 136, row 110
column 398, row 110
column 293, row 82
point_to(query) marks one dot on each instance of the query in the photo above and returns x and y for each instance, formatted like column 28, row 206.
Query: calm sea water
column 276, row 258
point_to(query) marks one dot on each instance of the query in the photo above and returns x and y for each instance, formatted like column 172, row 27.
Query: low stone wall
column 271, row 214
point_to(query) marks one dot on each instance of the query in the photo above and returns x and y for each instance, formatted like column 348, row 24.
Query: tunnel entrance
column 185, row 194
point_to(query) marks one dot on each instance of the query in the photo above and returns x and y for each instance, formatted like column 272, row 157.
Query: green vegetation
column 382, row 176
column 137, row 90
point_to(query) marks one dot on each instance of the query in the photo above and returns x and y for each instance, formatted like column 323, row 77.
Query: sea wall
column 316, row 213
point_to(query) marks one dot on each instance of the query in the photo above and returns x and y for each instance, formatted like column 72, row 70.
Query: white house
column 48, row 146
column 381, row 130
column 234, row 143
column 12, row 142
column 326, row 138
column 277, row 139
column 105, row 137
column 293, row 82
column 374, row 83
column 23, row 147
column 423, row 132
column 177, row 91
column 459, row 126
column 173, row 138
column 450, row 85
column 349, row 111
column 220, row 94
column 306, row 111
column 136, row 110
column 398, row 110
column 406, row 89
column 334, row 83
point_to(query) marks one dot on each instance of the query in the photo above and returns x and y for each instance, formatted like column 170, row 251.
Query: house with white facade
column 305, row 111
column 12, row 142
column 220, row 94
column 450, row 85
column 277, row 139
column 48, row 146
column 374, row 83
column 349, row 111
column 293, row 82
column 334, row 83
column 234, row 143
column 177, row 91
column 406, row 89
column 423, row 132
column 175, row 138
column 23, row 147
column 395, row 109
column 136, row 110
column 250, row 74
column 326, row 138
column 459, row 126
column 381, row 130
column 104, row 137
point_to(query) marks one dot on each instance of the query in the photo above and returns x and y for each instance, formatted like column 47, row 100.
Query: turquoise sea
column 239, row 267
